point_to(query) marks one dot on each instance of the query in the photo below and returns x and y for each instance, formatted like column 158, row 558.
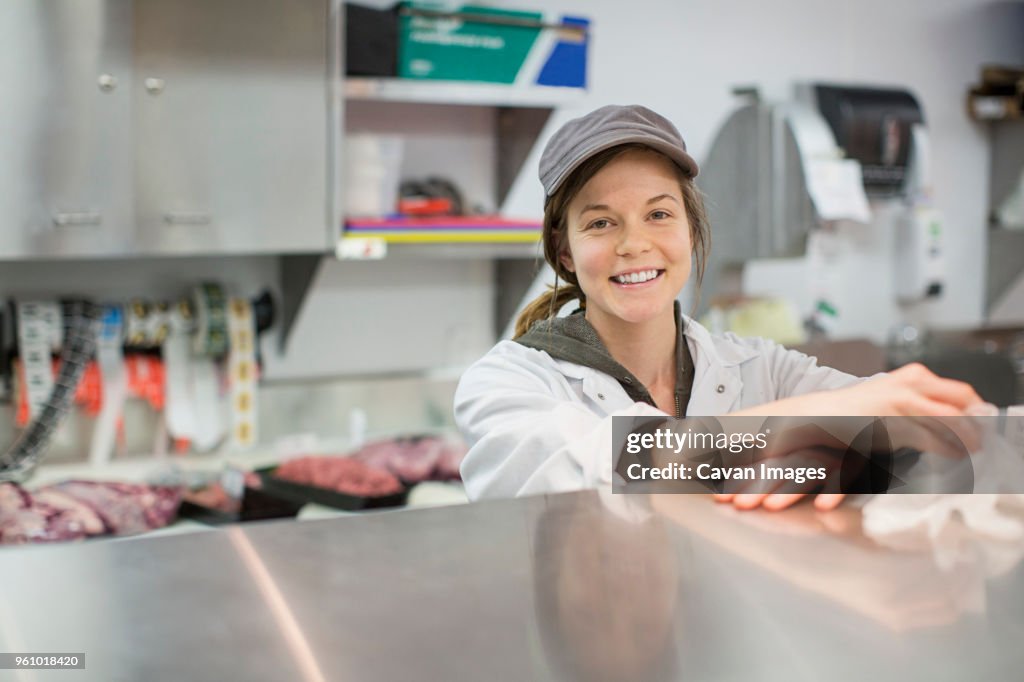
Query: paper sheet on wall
column 837, row 189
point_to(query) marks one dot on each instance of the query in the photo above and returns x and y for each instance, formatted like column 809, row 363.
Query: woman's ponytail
column 546, row 306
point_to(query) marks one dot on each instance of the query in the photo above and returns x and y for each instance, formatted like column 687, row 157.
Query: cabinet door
column 231, row 114
column 65, row 128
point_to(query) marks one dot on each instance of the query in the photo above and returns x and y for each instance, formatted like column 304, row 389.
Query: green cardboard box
column 472, row 43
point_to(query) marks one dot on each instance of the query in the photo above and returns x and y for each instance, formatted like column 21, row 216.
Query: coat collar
column 716, row 361
column 720, row 351
column 717, row 382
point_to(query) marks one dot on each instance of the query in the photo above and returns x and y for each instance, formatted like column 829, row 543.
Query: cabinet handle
column 185, row 218
column 106, row 82
column 154, row 86
column 68, row 218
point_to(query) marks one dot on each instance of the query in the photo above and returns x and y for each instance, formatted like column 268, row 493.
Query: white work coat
column 535, row 424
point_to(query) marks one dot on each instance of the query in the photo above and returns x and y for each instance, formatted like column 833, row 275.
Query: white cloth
column 986, row 527
column 535, row 424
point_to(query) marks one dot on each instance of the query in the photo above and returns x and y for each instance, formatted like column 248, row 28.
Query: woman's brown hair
column 555, row 228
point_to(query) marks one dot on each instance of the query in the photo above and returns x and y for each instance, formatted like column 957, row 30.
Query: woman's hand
column 778, row 501
column 910, row 391
column 774, row 495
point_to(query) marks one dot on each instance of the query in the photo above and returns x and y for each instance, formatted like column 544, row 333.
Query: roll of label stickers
column 209, row 307
column 146, row 324
column 242, row 372
column 135, row 324
column 39, row 324
column 50, row 312
column 159, row 323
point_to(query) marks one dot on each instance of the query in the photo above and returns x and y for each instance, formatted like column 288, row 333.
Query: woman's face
column 629, row 239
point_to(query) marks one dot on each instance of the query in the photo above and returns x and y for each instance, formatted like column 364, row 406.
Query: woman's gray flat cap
column 607, row 127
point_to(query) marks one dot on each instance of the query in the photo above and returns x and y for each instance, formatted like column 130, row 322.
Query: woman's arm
column 910, row 391
column 528, row 433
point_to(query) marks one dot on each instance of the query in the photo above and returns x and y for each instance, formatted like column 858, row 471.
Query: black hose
column 81, row 319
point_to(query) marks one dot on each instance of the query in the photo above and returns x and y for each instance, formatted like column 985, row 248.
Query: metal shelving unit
column 457, row 93
column 520, row 114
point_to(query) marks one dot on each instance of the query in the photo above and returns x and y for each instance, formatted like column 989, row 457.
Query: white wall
column 682, row 58
column 387, row 317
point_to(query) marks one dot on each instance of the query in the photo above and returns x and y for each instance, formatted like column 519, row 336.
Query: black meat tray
column 257, row 505
column 300, row 492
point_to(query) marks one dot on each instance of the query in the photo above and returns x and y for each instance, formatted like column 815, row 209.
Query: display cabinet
column 66, row 128
column 156, row 127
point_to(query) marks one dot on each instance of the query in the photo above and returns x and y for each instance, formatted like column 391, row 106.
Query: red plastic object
column 146, row 380
column 425, row 206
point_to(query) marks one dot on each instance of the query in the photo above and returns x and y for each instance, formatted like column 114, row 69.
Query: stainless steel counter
column 575, row 586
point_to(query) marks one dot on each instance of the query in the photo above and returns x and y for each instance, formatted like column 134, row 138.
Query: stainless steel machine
column 836, row 180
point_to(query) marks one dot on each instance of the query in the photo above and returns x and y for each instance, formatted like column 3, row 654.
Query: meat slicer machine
column 836, row 180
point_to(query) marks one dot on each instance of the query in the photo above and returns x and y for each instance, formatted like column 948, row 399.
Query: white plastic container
column 373, row 172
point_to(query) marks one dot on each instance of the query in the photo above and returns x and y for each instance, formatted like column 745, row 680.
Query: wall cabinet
column 145, row 128
column 165, row 127
column 232, row 125
column 65, row 128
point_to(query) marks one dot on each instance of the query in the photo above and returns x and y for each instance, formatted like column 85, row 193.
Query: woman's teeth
column 636, row 277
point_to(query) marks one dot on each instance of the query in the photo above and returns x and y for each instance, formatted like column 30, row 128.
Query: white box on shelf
column 373, row 167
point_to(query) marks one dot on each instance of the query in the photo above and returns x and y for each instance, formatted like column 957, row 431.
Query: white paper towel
column 961, row 527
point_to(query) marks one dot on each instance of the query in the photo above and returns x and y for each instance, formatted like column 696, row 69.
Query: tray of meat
column 414, row 459
column 213, row 505
column 75, row 510
column 339, row 482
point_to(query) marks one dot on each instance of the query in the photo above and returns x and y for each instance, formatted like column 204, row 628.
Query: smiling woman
column 627, row 241
column 624, row 229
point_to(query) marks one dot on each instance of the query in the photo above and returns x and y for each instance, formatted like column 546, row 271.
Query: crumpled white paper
column 973, row 537
column 986, row 529
column 922, row 519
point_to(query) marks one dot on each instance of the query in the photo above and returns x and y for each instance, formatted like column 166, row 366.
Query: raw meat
column 342, row 474
column 76, row 516
column 80, row 509
column 126, row 507
column 214, row 496
column 23, row 518
column 414, row 459
column 13, row 496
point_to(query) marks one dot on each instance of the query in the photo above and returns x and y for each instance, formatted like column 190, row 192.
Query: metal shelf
column 376, row 248
column 522, row 112
column 463, row 93
column 487, row 235
column 467, row 250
